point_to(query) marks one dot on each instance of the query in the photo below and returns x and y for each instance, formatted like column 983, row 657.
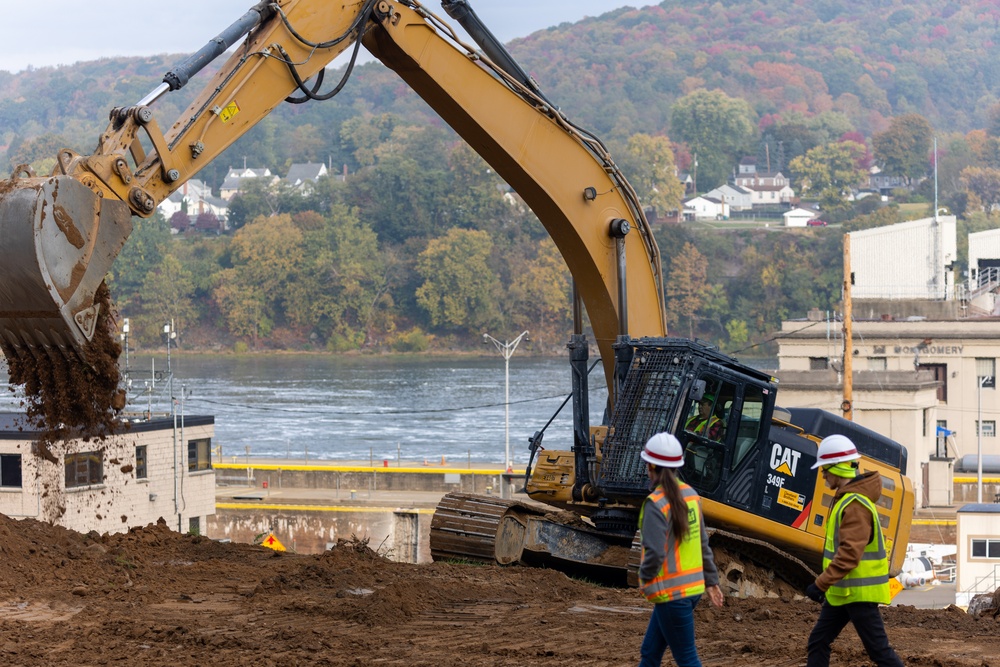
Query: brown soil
column 155, row 597
column 65, row 398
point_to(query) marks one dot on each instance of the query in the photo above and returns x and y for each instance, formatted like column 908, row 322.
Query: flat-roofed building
column 150, row 470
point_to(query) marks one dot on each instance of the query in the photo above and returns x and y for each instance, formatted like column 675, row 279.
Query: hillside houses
column 206, row 212
column 766, row 188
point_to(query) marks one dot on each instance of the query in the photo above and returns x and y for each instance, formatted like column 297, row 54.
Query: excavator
column 60, row 233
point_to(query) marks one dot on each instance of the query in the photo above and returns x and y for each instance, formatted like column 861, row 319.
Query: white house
column 195, row 198
column 705, row 208
column 738, row 197
column 303, row 175
column 767, row 188
column 231, row 184
column 149, row 470
column 799, row 217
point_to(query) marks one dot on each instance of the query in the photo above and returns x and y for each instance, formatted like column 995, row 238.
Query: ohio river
column 313, row 407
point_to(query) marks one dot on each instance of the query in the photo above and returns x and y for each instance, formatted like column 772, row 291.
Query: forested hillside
column 421, row 246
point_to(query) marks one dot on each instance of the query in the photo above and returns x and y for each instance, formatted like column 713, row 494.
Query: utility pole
column 847, row 406
column 507, row 350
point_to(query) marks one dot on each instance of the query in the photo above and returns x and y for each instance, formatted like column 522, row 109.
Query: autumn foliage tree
column 459, row 287
column 686, row 287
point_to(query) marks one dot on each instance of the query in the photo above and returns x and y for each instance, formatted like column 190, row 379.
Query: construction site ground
column 155, row 597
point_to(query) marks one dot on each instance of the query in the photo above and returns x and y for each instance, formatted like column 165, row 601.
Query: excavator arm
column 563, row 173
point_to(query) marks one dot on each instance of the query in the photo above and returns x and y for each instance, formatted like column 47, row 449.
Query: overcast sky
column 63, row 32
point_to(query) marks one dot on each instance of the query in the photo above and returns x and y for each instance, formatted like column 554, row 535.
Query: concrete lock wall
column 400, row 535
column 370, row 479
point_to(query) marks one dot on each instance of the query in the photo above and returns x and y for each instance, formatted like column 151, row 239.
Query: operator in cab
column 705, row 422
column 855, row 577
column 677, row 564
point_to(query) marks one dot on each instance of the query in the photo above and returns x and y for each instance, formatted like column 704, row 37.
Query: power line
column 386, row 412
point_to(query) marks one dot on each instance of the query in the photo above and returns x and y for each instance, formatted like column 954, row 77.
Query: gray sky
column 63, row 32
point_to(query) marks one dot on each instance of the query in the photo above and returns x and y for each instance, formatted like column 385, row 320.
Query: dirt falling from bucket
column 64, row 398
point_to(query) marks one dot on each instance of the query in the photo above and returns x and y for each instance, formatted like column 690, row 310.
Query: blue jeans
column 672, row 624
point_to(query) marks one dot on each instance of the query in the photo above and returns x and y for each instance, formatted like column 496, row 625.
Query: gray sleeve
column 654, row 540
column 707, row 559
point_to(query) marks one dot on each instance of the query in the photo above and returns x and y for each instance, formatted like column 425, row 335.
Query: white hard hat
column 663, row 450
column 835, row 448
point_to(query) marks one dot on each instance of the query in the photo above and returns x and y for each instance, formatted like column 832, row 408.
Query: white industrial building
column 909, row 260
column 984, row 270
column 923, row 351
column 154, row 468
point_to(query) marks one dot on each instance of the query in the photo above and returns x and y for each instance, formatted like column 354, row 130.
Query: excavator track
column 467, row 527
column 508, row 532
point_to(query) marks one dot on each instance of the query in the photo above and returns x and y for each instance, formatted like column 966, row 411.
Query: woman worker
column 677, row 565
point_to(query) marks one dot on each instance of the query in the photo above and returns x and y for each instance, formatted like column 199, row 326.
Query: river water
column 321, row 407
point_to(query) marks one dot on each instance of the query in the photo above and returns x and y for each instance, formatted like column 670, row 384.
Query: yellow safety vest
column 869, row 581
column 681, row 573
column 701, row 428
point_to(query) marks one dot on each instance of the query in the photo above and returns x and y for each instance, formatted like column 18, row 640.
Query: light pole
column 979, row 440
column 507, row 350
column 125, row 330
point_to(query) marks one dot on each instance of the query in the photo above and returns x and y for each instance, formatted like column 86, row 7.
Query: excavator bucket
column 58, row 239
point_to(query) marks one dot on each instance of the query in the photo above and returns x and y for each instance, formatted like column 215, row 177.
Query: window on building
column 194, row 525
column 877, row 363
column 141, row 471
column 941, row 375
column 986, row 372
column 199, row 454
column 818, row 363
column 84, row 469
column 989, row 429
column 10, row 470
column 985, row 548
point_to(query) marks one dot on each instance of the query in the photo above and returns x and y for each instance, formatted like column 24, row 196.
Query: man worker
column 855, row 577
column 705, row 422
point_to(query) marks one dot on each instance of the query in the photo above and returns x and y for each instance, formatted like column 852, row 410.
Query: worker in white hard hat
column 677, row 564
column 855, row 577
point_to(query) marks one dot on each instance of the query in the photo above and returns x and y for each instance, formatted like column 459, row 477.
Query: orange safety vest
column 681, row 574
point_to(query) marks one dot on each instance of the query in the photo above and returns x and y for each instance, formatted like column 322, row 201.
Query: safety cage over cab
column 718, row 408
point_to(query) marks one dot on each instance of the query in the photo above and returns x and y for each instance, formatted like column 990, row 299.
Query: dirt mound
column 154, row 597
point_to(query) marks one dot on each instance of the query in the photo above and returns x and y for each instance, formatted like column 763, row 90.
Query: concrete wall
column 400, row 534
column 360, row 478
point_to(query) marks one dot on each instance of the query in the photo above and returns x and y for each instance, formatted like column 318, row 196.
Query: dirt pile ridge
column 155, row 597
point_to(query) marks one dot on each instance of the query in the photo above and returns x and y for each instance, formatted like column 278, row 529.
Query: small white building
column 706, row 208
column 977, row 560
column 799, row 217
column 133, row 478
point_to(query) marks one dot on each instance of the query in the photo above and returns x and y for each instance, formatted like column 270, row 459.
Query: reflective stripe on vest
column 869, row 581
column 681, row 573
column 701, row 426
